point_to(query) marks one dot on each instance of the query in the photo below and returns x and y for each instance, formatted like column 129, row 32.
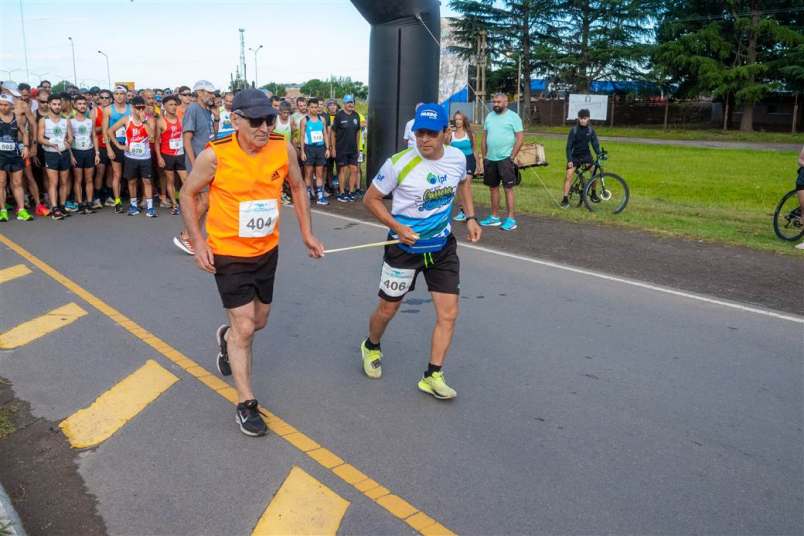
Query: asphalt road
column 586, row 405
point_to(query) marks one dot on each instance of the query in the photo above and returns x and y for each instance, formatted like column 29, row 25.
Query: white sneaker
column 183, row 245
column 800, row 246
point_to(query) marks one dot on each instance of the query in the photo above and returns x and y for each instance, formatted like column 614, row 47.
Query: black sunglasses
column 139, row 107
column 256, row 122
column 185, row 94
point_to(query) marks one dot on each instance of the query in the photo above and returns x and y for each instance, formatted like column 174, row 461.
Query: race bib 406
column 395, row 282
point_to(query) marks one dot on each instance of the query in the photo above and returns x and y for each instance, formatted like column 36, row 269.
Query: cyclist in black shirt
column 578, row 153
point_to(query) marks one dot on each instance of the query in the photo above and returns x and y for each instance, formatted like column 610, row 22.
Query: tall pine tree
column 733, row 49
column 513, row 29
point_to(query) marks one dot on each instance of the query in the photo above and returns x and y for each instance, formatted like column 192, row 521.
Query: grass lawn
column 720, row 195
column 684, row 134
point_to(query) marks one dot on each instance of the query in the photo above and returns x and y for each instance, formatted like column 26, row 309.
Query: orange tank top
column 244, row 197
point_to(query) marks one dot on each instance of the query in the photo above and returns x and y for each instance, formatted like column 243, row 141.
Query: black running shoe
column 223, row 352
column 248, row 417
column 593, row 197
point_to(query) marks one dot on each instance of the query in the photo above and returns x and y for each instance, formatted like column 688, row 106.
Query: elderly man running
column 244, row 173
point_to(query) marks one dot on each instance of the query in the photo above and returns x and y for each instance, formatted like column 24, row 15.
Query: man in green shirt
column 501, row 143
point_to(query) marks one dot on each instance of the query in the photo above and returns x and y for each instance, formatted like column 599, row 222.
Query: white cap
column 11, row 87
column 121, row 89
column 7, row 98
column 203, row 85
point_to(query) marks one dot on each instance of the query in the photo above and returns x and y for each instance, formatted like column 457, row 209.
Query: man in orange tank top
column 245, row 172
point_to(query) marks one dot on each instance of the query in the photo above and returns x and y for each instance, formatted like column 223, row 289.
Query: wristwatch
column 471, row 218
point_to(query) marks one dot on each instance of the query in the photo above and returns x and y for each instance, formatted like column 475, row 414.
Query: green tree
column 513, row 28
column 335, row 87
column 61, row 87
column 596, row 39
column 733, row 49
column 275, row 88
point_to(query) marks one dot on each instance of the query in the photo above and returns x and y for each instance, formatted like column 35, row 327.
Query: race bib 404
column 395, row 282
column 258, row 218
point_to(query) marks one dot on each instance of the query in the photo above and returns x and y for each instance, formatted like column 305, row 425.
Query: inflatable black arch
column 404, row 54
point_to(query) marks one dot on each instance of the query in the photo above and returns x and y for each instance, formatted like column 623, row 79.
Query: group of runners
column 78, row 151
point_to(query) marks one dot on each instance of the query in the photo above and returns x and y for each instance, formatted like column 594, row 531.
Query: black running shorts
column 400, row 270
column 10, row 162
column 134, row 168
column 84, row 159
column 241, row 279
column 800, row 180
column 501, row 171
column 58, row 161
column 174, row 162
column 316, row 155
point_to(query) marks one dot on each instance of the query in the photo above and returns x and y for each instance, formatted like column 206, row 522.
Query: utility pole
column 481, row 82
column 243, row 54
column 24, row 44
column 75, row 73
column 108, row 72
column 256, row 82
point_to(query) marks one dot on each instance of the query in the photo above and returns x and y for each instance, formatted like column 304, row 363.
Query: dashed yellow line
column 13, row 272
column 40, row 326
column 95, row 424
column 303, row 505
column 394, row 504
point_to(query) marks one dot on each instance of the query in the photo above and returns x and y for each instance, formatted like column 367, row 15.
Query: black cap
column 583, row 112
column 252, row 103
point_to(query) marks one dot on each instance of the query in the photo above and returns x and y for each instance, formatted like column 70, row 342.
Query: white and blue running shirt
column 423, row 190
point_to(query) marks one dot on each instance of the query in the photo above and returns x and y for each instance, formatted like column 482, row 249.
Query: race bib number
column 83, row 144
column 258, row 218
column 175, row 144
column 137, row 148
column 120, row 133
column 316, row 136
column 8, row 146
column 395, row 282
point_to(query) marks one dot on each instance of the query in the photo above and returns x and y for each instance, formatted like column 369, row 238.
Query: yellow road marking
column 113, row 409
column 303, row 505
column 40, row 326
column 13, row 272
column 421, row 523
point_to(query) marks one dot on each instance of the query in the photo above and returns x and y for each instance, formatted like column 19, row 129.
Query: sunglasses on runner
column 185, row 94
column 256, row 122
column 139, row 107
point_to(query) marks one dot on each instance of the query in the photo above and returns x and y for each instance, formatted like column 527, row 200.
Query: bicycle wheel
column 606, row 193
column 787, row 222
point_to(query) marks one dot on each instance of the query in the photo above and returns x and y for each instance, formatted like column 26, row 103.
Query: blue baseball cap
column 348, row 98
column 430, row 116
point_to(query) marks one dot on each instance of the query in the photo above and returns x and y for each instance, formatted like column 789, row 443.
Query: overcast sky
column 171, row 42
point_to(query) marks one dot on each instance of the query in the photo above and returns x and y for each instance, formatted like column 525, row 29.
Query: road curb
column 9, row 516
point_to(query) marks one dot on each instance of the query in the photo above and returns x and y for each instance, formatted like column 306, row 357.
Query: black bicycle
column 601, row 192
column 787, row 222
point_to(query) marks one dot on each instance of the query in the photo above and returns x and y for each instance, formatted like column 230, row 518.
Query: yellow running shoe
column 436, row 386
column 372, row 361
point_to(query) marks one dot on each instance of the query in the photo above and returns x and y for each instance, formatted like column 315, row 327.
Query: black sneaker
column 593, row 197
column 223, row 352
column 56, row 214
column 565, row 203
column 248, row 417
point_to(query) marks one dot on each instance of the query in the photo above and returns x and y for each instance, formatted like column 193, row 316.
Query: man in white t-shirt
column 423, row 181
column 408, row 135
